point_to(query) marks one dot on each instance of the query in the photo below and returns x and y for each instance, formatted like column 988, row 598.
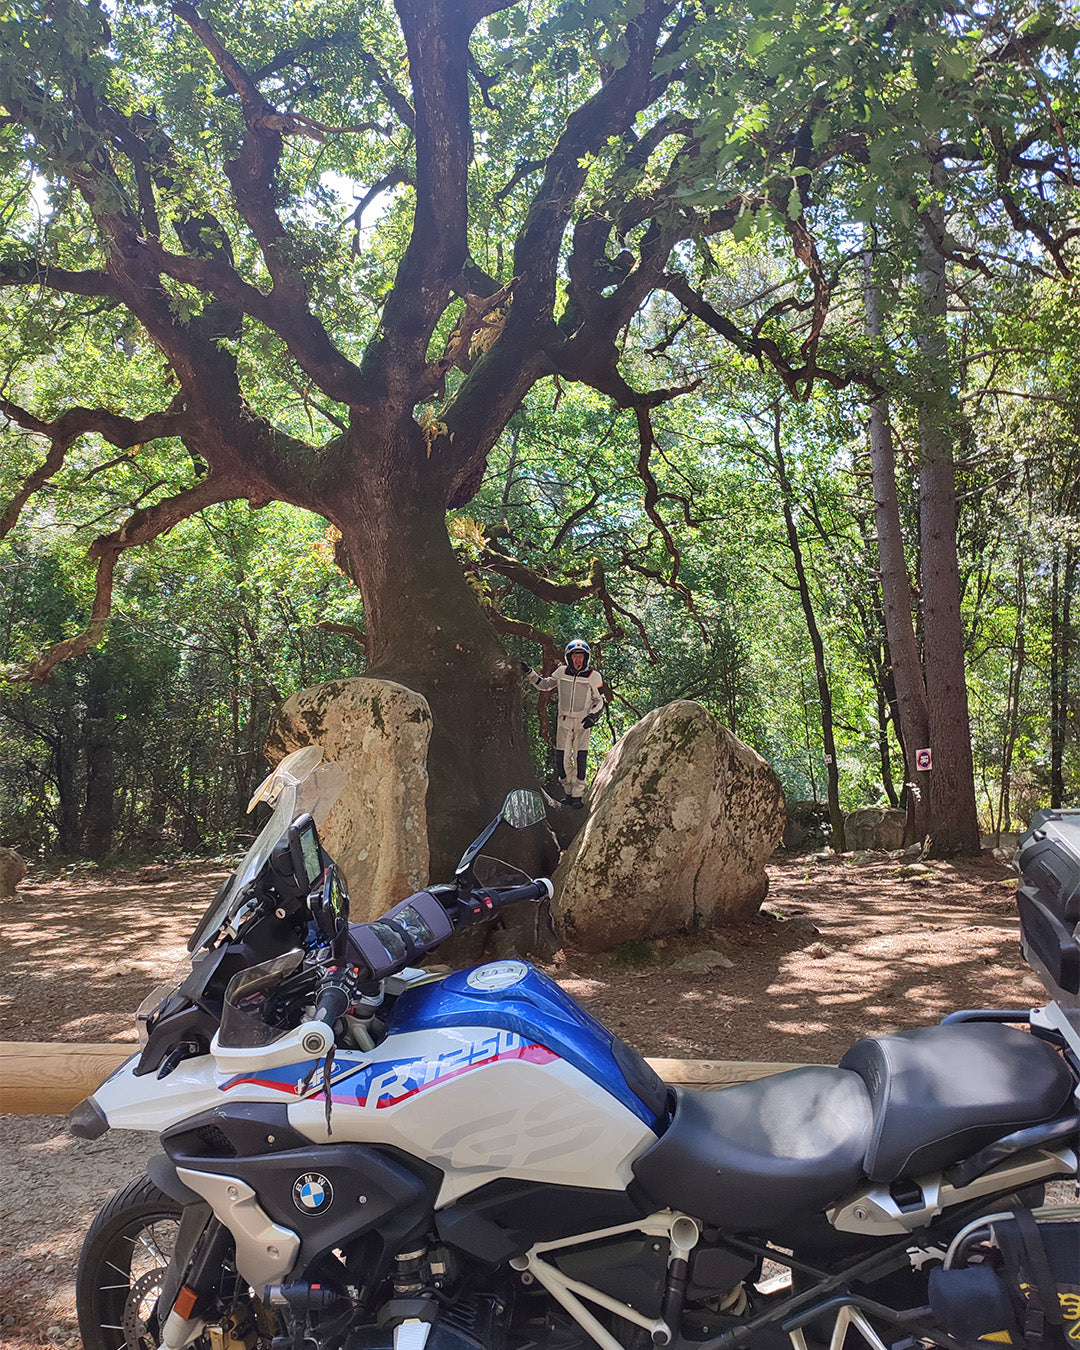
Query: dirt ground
column 842, row 948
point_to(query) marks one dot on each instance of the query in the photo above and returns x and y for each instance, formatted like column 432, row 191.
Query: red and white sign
column 924, row 759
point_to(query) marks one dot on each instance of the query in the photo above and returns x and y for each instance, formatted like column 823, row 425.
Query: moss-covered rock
column 876, row 829
column 682, row 817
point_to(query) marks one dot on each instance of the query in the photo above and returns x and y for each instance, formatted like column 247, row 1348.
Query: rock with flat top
column 682, row 817
column 378, row 731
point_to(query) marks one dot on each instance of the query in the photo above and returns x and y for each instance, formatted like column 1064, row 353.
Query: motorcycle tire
column 122, row 1266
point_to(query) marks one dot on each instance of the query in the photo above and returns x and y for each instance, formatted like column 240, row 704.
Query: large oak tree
column 526, row 179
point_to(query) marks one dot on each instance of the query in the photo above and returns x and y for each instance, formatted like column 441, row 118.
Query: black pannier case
column 1048, row 898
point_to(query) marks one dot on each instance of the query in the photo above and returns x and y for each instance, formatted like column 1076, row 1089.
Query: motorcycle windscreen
column 159, row 1000
column 253, row 1014
column 314, row 795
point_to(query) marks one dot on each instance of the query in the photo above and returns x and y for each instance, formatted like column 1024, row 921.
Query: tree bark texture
column 906, row 664
column 427, row 631
column 954, row 824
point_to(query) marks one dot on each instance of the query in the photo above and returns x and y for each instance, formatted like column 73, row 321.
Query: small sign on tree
column 924, row 759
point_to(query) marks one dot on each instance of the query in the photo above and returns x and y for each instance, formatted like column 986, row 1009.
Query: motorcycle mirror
column 523, row 808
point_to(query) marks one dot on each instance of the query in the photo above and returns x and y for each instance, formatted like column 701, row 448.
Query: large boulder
column 12, row 871
column 378, row 732
column 806, row 825
column 876, row 829
column 682, row 817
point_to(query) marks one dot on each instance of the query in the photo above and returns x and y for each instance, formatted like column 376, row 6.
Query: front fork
column 184, row 1314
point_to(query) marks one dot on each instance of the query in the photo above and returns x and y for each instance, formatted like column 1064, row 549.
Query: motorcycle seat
column 749, row 1157
column 939, row 1094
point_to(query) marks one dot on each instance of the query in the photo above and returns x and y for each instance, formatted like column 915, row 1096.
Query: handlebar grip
column 539, row 889
column 334, row 1001
column 483, row 904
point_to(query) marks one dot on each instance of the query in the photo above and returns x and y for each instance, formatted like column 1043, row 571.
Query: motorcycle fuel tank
column 495, row 1072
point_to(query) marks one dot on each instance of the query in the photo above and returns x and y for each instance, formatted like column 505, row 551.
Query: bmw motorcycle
column 362, row 1154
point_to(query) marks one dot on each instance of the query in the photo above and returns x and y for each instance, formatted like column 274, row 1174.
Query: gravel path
column 842, row 948
column 51, row 1186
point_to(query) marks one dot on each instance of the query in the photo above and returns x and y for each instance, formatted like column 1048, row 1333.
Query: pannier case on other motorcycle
column 1048, row 899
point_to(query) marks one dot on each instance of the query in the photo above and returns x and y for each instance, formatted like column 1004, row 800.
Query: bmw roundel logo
column 312, row 1193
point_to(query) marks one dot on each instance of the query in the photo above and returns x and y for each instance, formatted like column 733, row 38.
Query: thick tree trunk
column 427, row 631
column 954, row 822
column 896, row 594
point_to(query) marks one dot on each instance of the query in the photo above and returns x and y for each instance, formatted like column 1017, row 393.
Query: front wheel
column 122, row 1268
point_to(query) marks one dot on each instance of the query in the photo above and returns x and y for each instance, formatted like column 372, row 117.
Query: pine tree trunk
column 954, row 823
column 100, row 813
column 896, row 594
column 1062, row 647
column 1017, row 670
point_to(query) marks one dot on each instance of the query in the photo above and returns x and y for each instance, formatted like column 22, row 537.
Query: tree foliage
column 574, row 231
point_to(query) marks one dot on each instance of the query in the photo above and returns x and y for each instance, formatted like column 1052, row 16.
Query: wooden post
column 48, row 1078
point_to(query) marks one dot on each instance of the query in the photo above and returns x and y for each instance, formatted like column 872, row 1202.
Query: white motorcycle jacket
column 579, row 694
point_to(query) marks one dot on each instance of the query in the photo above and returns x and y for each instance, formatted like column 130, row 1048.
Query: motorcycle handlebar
column 335, row 998
column 539, row 889
column 484, row 902
column 422, row 922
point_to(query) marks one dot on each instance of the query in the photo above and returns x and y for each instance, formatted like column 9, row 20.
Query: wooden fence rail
column 48, row 1078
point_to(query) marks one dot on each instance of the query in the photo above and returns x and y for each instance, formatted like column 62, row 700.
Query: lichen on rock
column 379, row 732
column 682, row 817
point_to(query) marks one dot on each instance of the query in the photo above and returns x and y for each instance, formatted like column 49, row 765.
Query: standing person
column 580, row 704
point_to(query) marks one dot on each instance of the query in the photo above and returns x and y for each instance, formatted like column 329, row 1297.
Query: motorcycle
column 359, row 1153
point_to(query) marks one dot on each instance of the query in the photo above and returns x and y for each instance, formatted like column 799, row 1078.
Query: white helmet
column 576, row 645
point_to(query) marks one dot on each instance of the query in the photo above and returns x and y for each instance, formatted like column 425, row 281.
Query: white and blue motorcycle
column 359, row 1154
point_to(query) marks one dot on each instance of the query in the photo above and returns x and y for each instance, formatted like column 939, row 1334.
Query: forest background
column 718, row 538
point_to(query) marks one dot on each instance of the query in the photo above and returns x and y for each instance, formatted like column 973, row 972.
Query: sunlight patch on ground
column 581, row 987
column 806, row 1027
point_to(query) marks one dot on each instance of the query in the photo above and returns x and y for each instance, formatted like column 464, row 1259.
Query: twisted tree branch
column 65, row 430
column 143, row 525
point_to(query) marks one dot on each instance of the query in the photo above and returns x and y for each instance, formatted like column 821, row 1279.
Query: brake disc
column 140, row 1307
